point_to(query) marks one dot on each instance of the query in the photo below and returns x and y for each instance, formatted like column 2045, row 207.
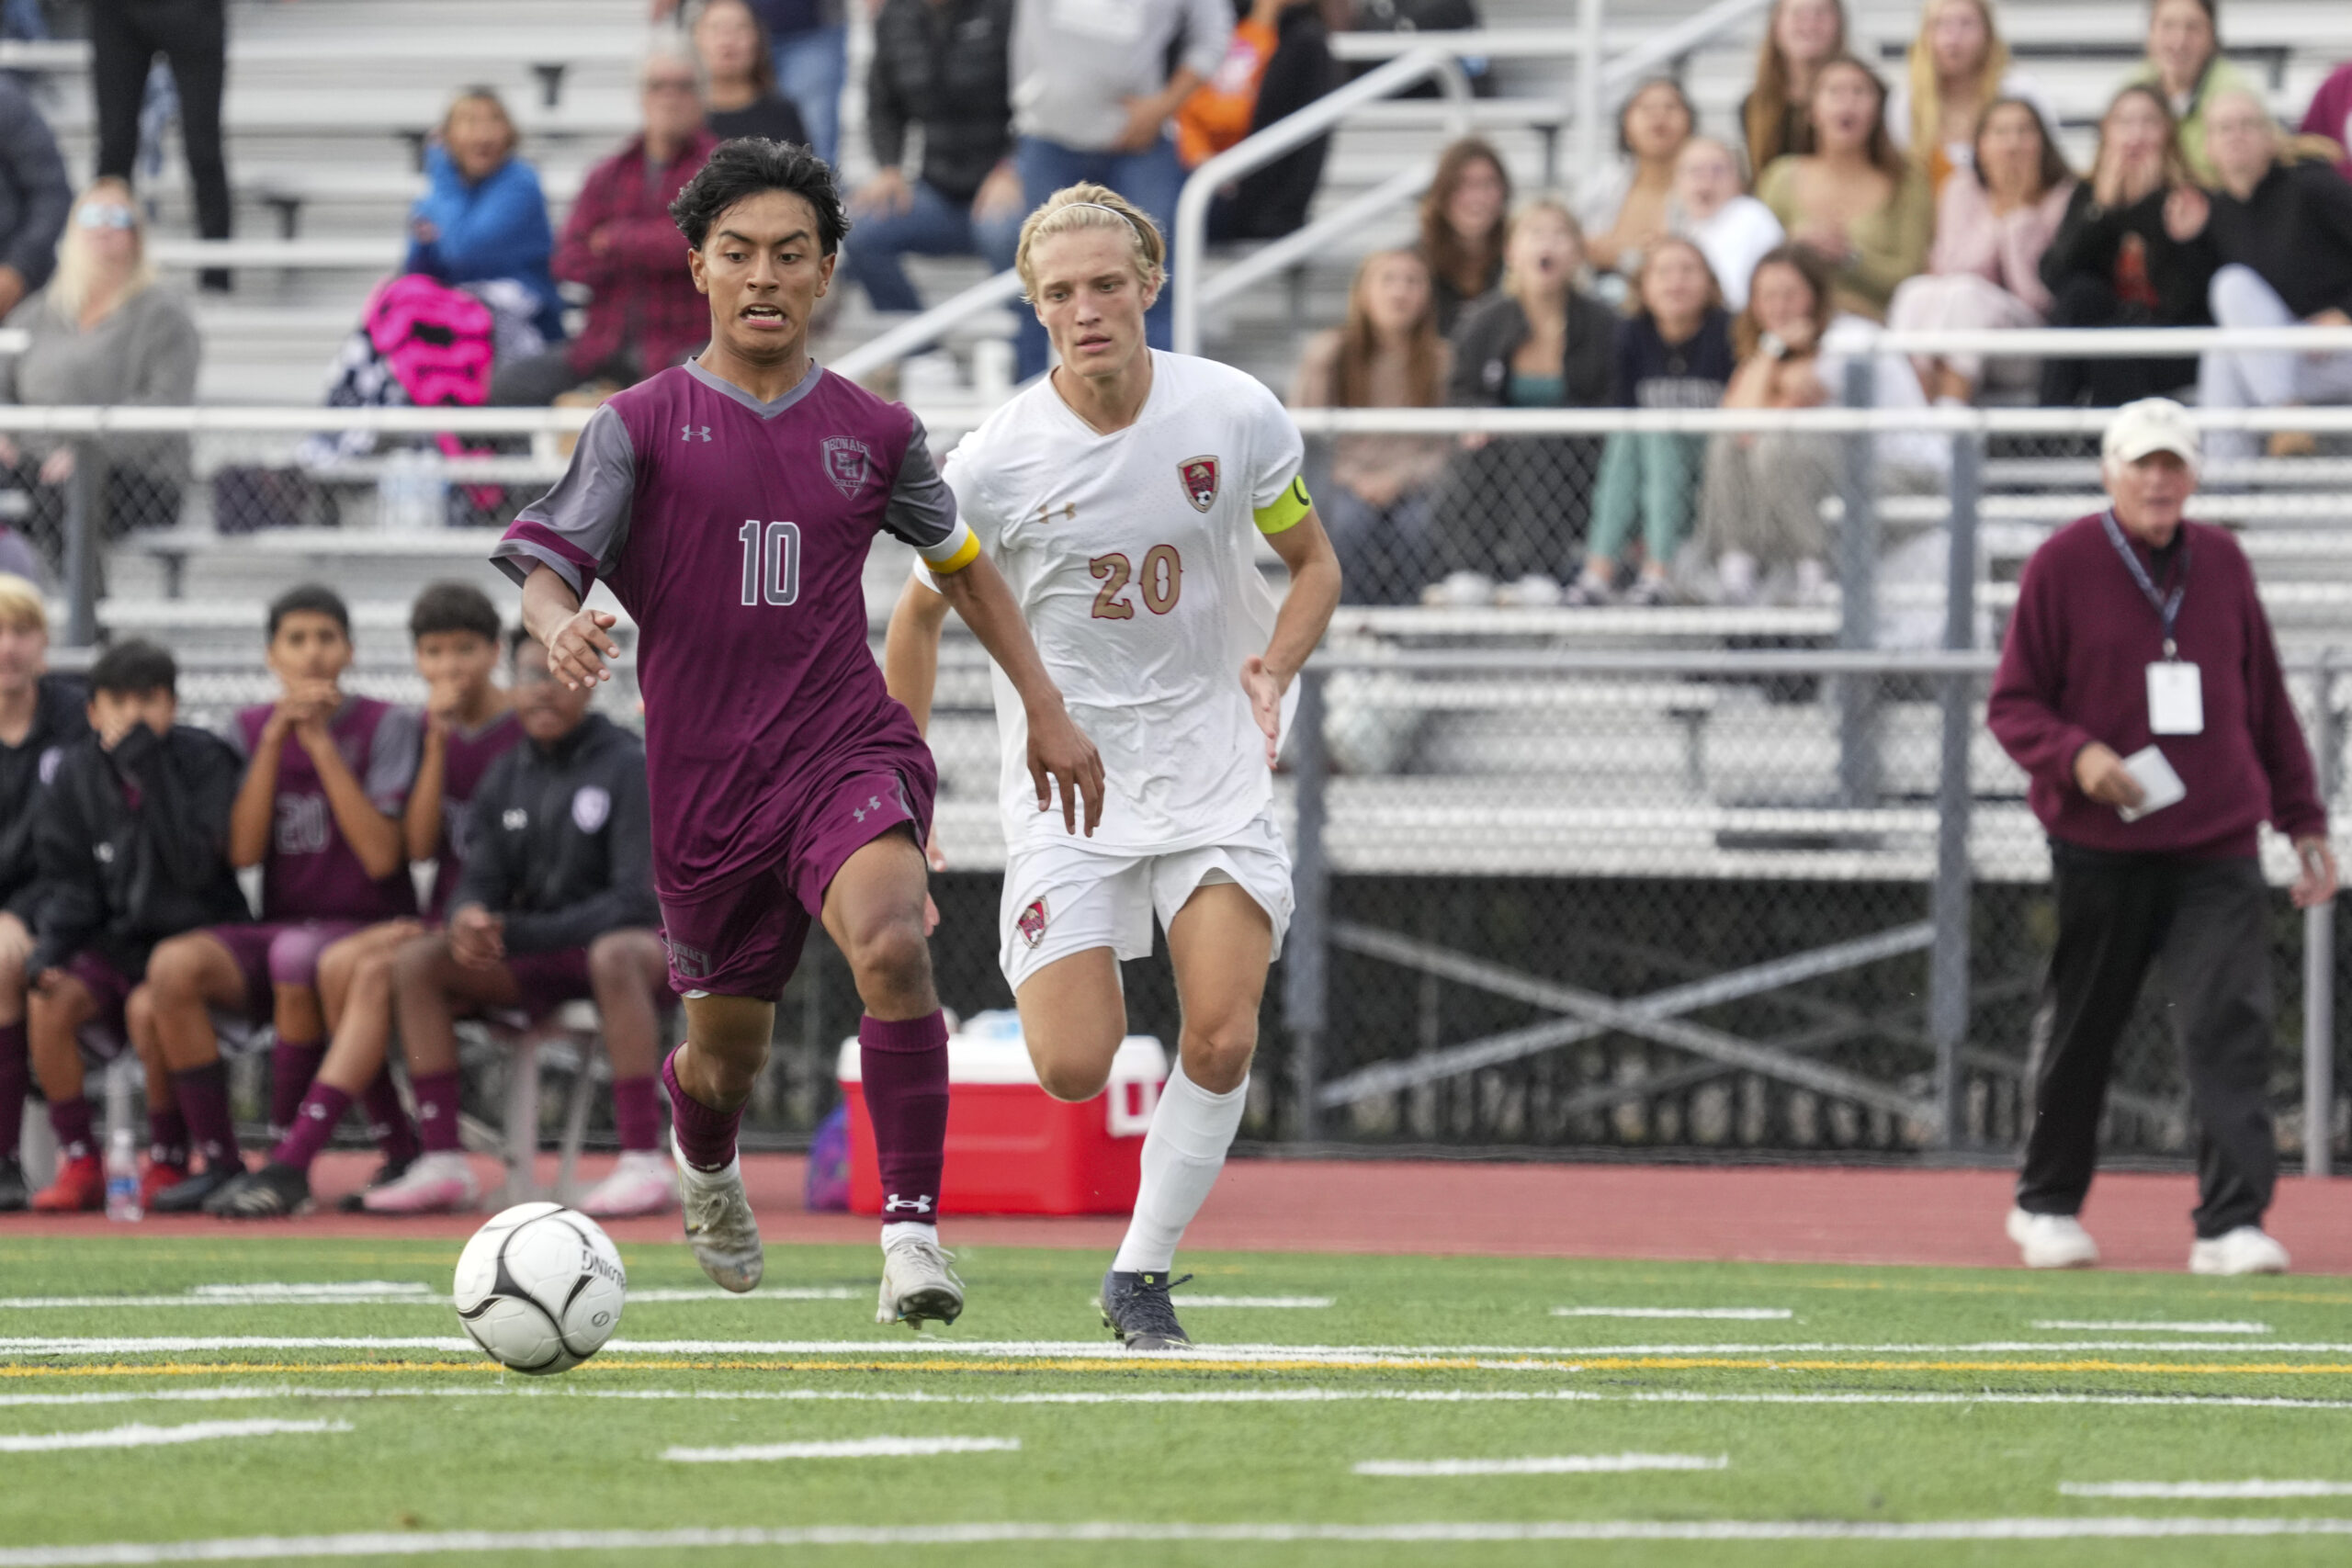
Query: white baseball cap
column 2152, row 425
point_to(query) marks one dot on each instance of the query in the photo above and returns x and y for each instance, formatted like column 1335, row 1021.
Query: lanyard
column 2167, row 606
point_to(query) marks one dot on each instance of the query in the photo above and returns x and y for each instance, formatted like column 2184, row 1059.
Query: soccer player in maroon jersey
column 729, row 504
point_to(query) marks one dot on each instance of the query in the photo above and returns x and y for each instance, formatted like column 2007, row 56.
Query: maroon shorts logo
column 1032, row 924
column 1199, row 478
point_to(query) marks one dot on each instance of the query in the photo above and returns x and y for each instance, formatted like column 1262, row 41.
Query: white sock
column 898, row 1230
column 1181, row 1154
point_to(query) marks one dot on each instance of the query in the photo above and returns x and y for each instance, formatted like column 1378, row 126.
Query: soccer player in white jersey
column 1123, row 498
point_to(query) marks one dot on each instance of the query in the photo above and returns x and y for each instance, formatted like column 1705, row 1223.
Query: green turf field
column 1892, row 1415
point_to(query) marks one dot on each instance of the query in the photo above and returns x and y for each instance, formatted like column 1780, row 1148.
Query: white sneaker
column 917, row 1284
column 2051, row 1241
column 642, row 1182
column 438, row 1183
column 719, row 1225
column 2249, row 1249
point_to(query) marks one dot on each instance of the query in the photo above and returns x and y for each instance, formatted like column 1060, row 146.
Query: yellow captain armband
column 1288, row 508
column 954, row 553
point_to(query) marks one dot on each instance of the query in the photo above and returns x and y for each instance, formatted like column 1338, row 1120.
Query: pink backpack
column 436, row 340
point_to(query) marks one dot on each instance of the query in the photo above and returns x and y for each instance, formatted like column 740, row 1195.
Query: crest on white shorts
column 591, row 805
column 1032, row 923
column 1199, row 476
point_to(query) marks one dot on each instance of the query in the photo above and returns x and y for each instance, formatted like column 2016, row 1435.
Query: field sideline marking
column 143, row 1437
column 1303, row 1304
column 1751, row 1315
column 422, row 1295
column 2111, row 1328
column 1551, row 1464
column 448, row 1543
column 2205, row 1490
column 847, row 1448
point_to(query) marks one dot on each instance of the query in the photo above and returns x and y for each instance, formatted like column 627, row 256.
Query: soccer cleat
column 642, row 1183
column 435, row 1183
column 189, row 1197
column 274, row 1193
column 720, row 1224
column 155, row 1178
column 80, row 1189
column 2051, row 1241
column 917, row 1284
column 391, row 1170
column 1137, row 1312
column 13, row 1195
column 2249, row 1249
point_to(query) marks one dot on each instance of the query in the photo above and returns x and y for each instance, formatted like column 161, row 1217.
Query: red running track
column 1749, row 1213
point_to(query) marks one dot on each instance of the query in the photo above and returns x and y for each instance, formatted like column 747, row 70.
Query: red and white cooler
column 1011, row 1147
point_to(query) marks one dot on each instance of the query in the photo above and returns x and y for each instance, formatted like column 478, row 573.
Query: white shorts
column 1061, row 898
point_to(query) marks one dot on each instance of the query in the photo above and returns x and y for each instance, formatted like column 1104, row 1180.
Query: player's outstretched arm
column 1306, row 615
column 575, row 637
column 1058, row 749
column 910, row 651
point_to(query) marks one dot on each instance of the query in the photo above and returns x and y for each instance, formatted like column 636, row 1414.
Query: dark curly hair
column 134, row 669
column 750, row 164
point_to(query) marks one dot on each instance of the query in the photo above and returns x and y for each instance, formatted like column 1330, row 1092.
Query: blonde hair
column 1086, row 206
column 69, row 285
column 1927, row 95
column 22, row 605
column 1541, row 206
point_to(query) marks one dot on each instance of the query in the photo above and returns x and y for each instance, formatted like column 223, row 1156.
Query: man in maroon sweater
column 2140, row 691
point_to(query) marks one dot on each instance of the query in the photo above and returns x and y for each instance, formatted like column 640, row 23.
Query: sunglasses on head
column 106, row 215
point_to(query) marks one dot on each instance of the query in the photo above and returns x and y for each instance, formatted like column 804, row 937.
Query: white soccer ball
column 540, row 1288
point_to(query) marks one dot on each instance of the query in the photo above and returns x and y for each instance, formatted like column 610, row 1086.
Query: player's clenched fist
column 1060, row 750
column 577, row 652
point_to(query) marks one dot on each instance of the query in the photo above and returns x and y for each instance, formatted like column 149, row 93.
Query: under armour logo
column 515, row 819
column 105, row 854
column 874, row 802
column 315, row 1112
column 909, row 1205
column 1069, row 511
column 694, row 432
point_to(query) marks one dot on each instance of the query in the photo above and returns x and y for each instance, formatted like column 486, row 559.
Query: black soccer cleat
column 274, row 1193
column 14, row 1194
column 391, row 1170
column 188, row 1197
column 1136, row 1311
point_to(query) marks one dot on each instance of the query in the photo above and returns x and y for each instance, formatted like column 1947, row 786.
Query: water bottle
column 430, row 496
column 393, row 490
column 122, row 1177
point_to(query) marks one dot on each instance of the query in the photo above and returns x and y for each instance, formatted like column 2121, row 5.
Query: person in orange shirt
column 1278, row 63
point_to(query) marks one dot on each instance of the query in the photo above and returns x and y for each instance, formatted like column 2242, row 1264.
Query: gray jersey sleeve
column 392, row 758
column 579, row 527
column 922, row 508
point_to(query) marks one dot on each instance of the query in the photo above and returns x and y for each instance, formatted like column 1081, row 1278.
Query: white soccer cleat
column 436, row 1183
column 2051, row 1241
column 917, row 1283
column 2249, row 1249
column 719, row 1225
column 642, row 1182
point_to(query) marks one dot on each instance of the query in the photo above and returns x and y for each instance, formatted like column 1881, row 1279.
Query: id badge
column 2176, row 698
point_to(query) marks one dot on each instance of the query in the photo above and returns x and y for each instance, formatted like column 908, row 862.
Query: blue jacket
column 496, row 229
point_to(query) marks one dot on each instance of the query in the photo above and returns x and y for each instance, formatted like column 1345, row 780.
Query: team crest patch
column 1199, row 476
column 848, row 464
column 591, row 804
column 1032, row 923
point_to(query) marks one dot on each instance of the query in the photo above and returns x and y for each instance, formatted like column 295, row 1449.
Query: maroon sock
column 168, row 1136
column 437, row 1111
column 637, row 1115
column 203, row 1096
column 314, row 1123
column 705, row 1137
column 292, row 1066
column 70, row 1119
column 905, row 1070
column 16, row 1072
column 388, row 1121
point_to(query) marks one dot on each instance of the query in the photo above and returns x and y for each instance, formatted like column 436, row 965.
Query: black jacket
column 2090, row 238
column 561, row 841
column 1270, row 202
column 1490, row 333
column 35, row 195
column 2296, row 230
column 948, row 64
column 58, row 722
column 122, row 877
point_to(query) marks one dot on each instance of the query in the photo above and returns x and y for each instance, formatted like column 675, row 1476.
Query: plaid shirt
column 645, row 298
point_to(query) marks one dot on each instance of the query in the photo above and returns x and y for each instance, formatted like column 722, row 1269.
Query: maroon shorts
column 545, row 981
column 107, row 1033
column 273, row 953
column 744, row 938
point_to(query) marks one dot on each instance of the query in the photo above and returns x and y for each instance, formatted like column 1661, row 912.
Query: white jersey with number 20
column 1132, row 556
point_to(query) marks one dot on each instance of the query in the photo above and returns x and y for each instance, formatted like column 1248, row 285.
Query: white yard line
column 1302, row 1304
column 219, row 1296
column 264, row 1289
column 442, row 1543
column 1749, row 1315
column 1549, row 1464
column 2207, row 1490
column 850, row 1448
column 2124, row 1327
column 141, row 1436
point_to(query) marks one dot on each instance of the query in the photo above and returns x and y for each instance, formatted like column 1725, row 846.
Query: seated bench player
column 40, row 713
column 469, row 723
column 557, row 903
column 134, row 841
column 326, row 777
